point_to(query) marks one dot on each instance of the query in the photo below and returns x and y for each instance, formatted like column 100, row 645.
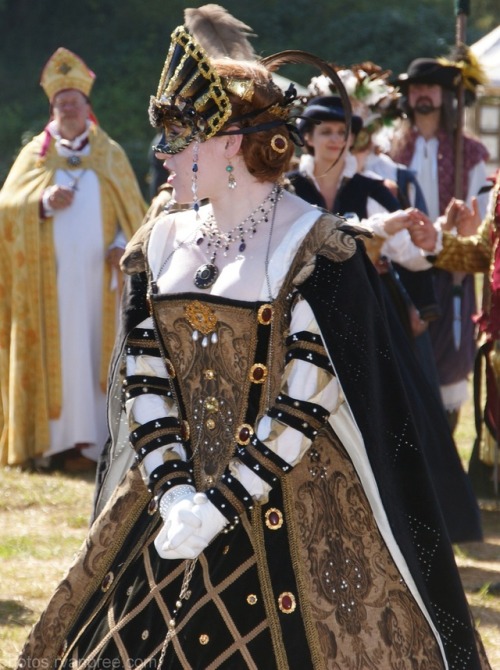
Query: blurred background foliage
column 125, row 43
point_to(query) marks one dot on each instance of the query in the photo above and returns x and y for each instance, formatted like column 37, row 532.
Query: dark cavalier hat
column 430, row 71
column 326, row 108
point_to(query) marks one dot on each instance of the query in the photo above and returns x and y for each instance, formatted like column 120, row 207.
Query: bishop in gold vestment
column 69, row 204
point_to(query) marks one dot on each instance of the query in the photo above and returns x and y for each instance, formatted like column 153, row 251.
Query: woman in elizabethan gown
column 279, row 513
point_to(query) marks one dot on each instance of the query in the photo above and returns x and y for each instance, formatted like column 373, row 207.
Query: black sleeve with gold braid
column 303, row 416
column 142, row 342
column 155, row 434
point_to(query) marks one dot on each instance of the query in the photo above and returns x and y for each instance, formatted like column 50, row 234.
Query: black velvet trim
column 283, row 580
column 288, row 419
column 260, row 356
column 156, row 442
column 142, row 341
column 308, row 347
column 304, row 336
column 131, row 350
column 308, row 356
column 268, row 455
column 140, row 334
column 230, row 497
column 263, row 461
column 306, row 417
column 136, row 385
column 170, row 474
column 135, row 307
column 257, row 465
column 144, row 430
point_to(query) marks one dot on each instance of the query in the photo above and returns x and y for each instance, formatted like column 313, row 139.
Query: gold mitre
column 64, row 70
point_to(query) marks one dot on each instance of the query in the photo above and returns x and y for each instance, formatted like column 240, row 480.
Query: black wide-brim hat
column 327, row 108
column 430, row 71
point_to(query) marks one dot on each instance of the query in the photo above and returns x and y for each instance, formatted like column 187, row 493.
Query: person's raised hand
column 468, row 220
column 448, row 221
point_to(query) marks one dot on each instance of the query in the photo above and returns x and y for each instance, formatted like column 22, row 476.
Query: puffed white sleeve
column 309, row 394
column 151, row 411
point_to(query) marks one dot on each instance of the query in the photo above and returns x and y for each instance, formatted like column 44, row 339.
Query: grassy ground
column 479, row 562
column 44, row 520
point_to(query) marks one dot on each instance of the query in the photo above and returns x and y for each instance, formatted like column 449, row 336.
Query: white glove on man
column 191, row 522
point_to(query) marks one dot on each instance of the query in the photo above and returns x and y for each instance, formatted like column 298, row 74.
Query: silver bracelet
column 172, row 496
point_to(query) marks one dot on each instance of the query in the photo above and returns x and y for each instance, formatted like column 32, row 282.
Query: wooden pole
column 462, row 10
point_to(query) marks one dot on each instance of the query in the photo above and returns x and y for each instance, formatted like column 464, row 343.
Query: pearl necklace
column 216, row 240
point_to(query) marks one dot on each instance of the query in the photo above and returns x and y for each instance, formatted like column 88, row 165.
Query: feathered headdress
column 471, row 70
column 219, row 33
column 372, row 97
column 192, row 93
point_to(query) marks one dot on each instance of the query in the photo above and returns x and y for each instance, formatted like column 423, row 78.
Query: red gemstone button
column 274, row 518
column 258, row 373
column 287, row 603
column 265, row 314
column 243, row 434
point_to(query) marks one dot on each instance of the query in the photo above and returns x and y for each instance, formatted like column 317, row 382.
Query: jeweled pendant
column 73, row 161
column 206, row 275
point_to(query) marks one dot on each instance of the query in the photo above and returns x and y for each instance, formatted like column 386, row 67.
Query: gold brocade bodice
column 218, row 353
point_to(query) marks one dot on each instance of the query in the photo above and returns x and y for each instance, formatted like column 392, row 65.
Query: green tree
column 126, row 42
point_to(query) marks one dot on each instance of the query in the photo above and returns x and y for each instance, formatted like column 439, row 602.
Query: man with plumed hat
column 67, row 208
column 425, row 142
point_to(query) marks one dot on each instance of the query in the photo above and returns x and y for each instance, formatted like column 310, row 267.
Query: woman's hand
column 191, row 523
column 396, row 221
column 422, row 231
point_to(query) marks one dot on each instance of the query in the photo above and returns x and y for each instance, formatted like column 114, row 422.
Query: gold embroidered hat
column 65, row 70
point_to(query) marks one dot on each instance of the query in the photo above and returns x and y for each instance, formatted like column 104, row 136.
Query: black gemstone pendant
column 206, row 275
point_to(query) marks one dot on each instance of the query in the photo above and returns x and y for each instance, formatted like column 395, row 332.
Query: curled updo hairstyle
column 261, row 159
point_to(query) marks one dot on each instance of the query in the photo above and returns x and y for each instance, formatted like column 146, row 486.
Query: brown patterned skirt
column 306, row 581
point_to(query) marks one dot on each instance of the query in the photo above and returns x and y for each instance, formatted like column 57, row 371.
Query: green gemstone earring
column 231, row 181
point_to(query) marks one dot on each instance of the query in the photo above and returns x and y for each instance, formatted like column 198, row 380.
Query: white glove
column 191, row 523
